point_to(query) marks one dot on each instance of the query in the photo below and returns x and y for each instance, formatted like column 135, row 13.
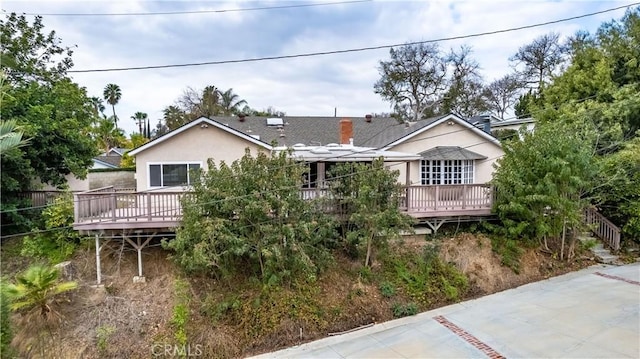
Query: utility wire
column 348, row 154
column 360, row 49
column 203, row 11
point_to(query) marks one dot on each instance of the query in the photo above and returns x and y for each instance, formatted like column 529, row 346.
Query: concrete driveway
column 593, row 313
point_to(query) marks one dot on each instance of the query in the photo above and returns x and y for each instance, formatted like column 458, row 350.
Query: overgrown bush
column 404, row 310
column 6, row 333
column 369, row 196
column 57, row 240
column 509, row 250
column 249, row 217
column 424, row 276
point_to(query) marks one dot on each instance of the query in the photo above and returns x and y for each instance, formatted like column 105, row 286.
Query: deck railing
column 110, row 205
column 104, row 206
column 41, row 198
column 447, row 197
column 602, row 228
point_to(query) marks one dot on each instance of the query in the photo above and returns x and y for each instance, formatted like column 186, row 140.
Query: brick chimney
column 346, row 131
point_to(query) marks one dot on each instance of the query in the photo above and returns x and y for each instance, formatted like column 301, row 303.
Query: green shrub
column 180, row 315
column 387, row 289
column 6, row 333
column 509, row 250
column 404, row 310
column 57, row 241
column 104, row 332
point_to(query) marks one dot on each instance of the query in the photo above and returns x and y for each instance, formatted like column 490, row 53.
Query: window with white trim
column 446, row 171
column 171, row 174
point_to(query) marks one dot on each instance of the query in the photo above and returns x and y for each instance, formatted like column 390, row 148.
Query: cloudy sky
column 311, row 86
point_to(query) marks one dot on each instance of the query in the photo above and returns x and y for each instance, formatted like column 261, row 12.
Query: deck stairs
column 601, row 253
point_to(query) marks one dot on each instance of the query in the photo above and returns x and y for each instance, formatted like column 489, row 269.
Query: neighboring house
column 450, row 149
column 515, row 124
column 102, row 162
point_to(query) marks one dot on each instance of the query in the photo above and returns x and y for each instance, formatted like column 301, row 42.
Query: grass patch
column 387, row 289
column 180, row 316
column 509, row 250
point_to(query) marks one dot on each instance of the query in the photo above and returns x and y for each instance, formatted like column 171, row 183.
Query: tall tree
column 140, row 118
column 502, row 94
column 98, row 106
column 414, row 80
column 542, row 182
column 30, row 54
column 538, row 61
column 107, row 135
column 112, row 95
column 230, row 102
column 465, row 95
column 52, row 111
column 174, row 117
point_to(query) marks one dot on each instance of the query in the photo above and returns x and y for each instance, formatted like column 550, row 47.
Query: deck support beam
column 435, row 224
column 138, row 246
column 98, row 269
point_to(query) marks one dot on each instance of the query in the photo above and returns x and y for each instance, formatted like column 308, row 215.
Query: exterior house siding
column 450, row 135
column 196, row 145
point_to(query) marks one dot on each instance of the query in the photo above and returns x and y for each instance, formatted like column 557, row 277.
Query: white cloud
column 304, row 86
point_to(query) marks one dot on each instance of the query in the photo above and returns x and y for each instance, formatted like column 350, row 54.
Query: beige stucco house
column 166, row 161
column 440, row 150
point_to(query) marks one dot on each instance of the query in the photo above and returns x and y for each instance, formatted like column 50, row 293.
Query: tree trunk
column 369, row 244
column 564, row 227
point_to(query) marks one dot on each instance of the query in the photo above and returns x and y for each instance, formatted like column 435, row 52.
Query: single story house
column 442, row 150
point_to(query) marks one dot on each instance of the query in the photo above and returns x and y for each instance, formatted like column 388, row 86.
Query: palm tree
column 174, row 117
column 36, row 288
column 107, row 135
column 141, row 119
column 230, row 102
column 210, row 102
column 112, row 95
column 10, row 135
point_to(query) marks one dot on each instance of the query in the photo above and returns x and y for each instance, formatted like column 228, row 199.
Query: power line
column 360, row 49
column 203, row 11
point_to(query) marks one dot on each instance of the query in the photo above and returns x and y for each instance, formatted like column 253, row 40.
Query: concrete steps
column 602, row 254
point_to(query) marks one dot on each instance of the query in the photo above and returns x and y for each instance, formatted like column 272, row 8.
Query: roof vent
column 297, row 145
column 332, row 145
column 275, row 122
column 368, row 117
column 241, row 117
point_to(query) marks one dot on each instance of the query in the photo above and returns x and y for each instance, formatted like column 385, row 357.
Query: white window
column 171, row 174
column 446, row 171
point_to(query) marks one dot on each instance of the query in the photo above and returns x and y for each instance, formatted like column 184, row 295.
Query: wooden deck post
column 139, row 248
column 98, row 270
column 114, row 206
column 149, row 205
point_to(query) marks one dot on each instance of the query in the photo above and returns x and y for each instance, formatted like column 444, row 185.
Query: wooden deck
column 109, row 209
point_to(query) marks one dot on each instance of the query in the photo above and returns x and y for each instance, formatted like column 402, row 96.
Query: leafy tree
column 29, row 54
column 370, row 196
column 140, row 118
column 619, row 192
column 36, row 288
column 502, row 94
column 249, row 217
column 538, row 61
column 268, row 112
column 542, row 182
column 160, row 130
column 414, row 80
column 230, row 102
column 112, row 94
column 505, row 134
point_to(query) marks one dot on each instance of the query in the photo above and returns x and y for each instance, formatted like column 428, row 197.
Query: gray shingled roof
column 324, row 130
column 451, row 153
column 112, row 160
